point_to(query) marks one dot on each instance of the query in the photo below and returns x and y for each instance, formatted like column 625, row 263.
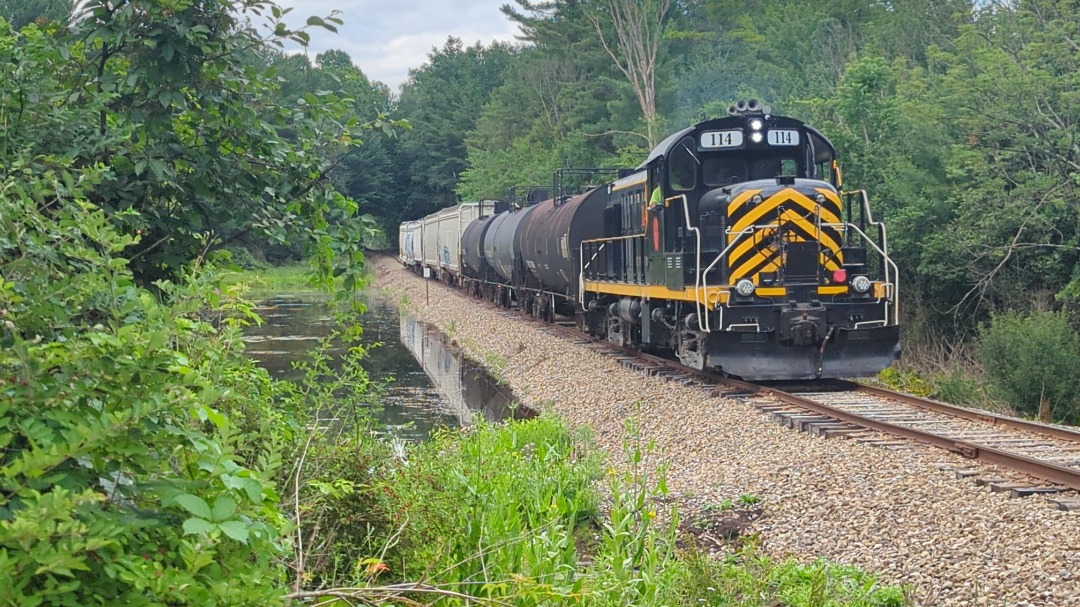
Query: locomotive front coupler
column 802, row 324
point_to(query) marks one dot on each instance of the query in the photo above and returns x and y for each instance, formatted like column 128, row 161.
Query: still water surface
column 428, row 383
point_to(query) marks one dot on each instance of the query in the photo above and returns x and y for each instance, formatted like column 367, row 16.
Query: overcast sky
column 387, row 37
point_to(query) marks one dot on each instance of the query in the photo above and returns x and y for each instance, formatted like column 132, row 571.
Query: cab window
column 682, row 166
column 724, row 170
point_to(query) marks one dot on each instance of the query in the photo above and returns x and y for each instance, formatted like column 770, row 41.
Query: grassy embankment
column 527, row 513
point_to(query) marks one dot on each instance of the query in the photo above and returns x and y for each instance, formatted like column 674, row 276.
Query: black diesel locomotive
column 732, row 246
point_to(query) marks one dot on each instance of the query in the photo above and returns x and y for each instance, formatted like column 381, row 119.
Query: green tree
column 170, row 98
column 363, row 170
column 563, row 104
column 24, row 12
column 638, row 26
column 442, row 100
column 1013, row 117
column 122, row 479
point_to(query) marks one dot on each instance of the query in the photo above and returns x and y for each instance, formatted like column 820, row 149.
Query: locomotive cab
column 747, row 256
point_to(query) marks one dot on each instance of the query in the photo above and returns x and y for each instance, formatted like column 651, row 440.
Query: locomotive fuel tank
column 550, row 238
column 501, row 242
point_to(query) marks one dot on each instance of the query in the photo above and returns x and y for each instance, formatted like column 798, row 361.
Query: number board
column 783, row 137
column 712, row 140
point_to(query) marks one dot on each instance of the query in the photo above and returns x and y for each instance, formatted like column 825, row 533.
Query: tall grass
column 513, row 514
column 746, row 578
column 492, row 510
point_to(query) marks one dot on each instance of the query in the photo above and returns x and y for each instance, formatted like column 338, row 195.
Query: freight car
column 732, row 246
column 410, row 241
column 434, row 242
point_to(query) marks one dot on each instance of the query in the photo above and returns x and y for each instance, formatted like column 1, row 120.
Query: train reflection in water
column 468, row 389
column 418, row 393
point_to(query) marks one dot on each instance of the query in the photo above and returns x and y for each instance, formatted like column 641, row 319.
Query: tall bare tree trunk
column 639, row 28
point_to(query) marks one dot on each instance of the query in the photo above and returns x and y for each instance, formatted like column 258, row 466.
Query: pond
column 428, row 383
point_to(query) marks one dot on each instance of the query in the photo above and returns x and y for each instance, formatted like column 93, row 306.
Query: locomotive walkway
column 890, row 506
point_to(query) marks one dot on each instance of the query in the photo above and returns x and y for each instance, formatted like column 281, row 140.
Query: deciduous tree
column 634, row 46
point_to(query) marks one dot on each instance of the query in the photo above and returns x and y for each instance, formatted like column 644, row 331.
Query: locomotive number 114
column 721, row 139
column 783, row 137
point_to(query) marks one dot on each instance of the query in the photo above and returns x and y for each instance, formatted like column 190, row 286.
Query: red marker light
column 839, row 276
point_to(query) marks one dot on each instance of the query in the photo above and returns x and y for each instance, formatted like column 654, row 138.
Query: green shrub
column 122, row 480
column 1033, row 362
column 635, row 562
column 904, row 380
column 958, row 388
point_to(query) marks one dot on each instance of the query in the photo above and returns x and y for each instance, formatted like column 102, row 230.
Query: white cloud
column 386, row 39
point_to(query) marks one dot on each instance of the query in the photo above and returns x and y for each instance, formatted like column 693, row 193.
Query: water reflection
column 470, row 390
column 451, row 392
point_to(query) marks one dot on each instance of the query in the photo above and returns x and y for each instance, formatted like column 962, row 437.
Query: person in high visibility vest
column 657, row 197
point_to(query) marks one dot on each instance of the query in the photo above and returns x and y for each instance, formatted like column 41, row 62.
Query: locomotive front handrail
column 705, row 327
column 890, row 283
column 892, row 286
column 883, row 250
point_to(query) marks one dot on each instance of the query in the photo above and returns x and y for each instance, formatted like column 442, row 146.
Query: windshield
column 729, row 169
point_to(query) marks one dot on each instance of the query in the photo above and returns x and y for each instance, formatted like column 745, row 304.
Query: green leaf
column 254, row 489
column 236, row 530
column 193, row 504
column 224, row 508
column 197, row 526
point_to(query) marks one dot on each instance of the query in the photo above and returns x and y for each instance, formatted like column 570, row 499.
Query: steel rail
column 1053, row 473
column 1003, row 421
column 1061, row 475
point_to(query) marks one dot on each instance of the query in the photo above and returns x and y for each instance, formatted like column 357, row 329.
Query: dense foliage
column 1032, row 362
column 510, row 515
column 183, row 103
column 124, row 478
column 142, row 452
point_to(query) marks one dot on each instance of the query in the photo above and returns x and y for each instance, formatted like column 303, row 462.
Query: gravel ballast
column 890, row 511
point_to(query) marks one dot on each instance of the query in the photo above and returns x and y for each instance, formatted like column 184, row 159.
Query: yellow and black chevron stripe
column 790, row 214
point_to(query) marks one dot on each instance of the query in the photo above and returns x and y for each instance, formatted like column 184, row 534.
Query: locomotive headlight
column 744, row 287
column 756, row 199
column 756, row 136
column 860, row 284
column 756, row 124
column 820, row 198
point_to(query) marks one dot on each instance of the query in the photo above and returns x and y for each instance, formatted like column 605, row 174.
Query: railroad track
column 1019, row 457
